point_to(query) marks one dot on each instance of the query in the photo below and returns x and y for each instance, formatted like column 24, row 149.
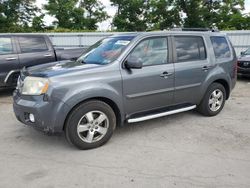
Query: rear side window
column 32, row 44
column 221, row 47
column 5, row 45
column 190, row 48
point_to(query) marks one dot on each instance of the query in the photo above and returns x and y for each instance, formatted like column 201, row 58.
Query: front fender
column 77, row 95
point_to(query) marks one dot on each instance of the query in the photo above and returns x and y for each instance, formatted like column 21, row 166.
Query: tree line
column 131, row 15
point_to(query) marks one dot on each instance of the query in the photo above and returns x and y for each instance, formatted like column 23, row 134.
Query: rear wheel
column 90, row 125
column 213, row 101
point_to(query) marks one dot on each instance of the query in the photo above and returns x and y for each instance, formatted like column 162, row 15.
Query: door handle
column 10, row 58
column 166, row 74
column 47, row 55
column 206, row 68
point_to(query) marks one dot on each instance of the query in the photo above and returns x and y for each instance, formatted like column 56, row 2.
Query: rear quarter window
column 221, row 47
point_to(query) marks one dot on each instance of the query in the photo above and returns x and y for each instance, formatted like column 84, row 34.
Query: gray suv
column 127, row 78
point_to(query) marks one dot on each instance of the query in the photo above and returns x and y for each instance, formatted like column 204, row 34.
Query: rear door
column 191, row 67
column 34, row 50
column 9, row 63
column 152, row 86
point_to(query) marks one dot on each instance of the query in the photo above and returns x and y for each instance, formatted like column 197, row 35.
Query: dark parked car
column 244, row 63
column 127, row 78
column 17, row 51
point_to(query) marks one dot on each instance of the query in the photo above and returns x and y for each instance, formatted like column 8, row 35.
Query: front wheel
column 213, row 101
column 90, row 125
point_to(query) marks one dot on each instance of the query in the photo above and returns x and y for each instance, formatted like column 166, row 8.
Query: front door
column 152, row 86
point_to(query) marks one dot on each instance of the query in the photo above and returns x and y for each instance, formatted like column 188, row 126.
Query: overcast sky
column 111, row 11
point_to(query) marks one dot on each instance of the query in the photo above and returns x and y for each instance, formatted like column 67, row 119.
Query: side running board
column 153, row 116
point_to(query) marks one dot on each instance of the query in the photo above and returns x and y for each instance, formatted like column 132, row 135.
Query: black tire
column 204, row 107
column 79, row 113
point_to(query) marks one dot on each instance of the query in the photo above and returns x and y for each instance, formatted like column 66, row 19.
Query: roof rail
column 194, row 29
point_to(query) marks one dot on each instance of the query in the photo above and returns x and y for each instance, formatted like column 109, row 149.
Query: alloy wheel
column 215, row 100
column 93, row 126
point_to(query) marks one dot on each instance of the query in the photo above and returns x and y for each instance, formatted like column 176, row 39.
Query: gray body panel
column 131, row 91
column 144, row 89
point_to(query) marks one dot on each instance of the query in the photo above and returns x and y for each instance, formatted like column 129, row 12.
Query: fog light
column 32, row 118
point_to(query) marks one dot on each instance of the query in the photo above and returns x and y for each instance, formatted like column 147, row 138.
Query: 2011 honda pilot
column 127, row 78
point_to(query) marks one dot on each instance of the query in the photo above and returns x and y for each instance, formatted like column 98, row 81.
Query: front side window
column 5, row 45
column 190, row 48
column 32, row 44
column 105, row 51
column 221, row 47
column 152, row 51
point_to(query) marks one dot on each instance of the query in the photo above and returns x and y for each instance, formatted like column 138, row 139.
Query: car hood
column 244, row 58
column 56, row 68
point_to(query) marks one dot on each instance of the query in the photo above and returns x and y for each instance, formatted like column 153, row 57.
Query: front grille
column 244, row 64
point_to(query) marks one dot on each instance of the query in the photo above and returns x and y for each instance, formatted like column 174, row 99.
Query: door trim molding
column 187, row 86
column 147, row 93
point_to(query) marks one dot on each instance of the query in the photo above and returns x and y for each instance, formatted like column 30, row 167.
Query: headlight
column 35, row 86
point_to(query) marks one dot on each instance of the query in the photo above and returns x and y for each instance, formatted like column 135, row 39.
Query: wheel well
column 111, row 103
column 226, row 86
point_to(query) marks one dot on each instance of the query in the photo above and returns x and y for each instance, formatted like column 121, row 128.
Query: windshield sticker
column 122, row 42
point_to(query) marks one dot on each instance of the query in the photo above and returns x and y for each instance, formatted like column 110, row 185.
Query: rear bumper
column 49, row 115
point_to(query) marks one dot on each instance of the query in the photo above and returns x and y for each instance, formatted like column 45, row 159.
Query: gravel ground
column 183, row 150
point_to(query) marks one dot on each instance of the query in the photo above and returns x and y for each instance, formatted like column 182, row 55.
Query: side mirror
column 133, row 63
column 242, row 53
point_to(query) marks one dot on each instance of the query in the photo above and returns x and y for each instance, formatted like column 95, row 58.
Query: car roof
column 152, row 33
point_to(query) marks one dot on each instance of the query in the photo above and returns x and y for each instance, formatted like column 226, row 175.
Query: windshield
column 247, row 52
column 105, row 51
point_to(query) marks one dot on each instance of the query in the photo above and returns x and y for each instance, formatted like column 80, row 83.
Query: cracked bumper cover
column 49, row 115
